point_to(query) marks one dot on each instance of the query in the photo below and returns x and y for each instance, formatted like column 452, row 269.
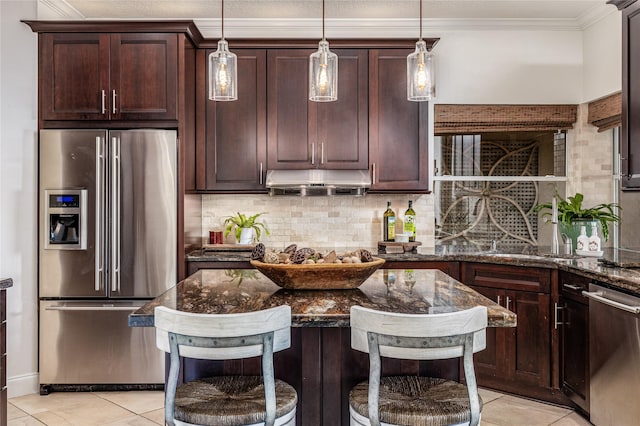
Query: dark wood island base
column 320, row 363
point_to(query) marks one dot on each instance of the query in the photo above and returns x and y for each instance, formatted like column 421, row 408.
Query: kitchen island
column 320, row 363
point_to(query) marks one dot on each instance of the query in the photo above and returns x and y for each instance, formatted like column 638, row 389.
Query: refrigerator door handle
column 115, row 214
column 100, row 219
column 92, row 308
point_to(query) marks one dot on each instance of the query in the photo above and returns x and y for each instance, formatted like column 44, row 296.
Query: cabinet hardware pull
column 260, row 171
column 322, row 153
column 104, row 102
column 113, row 102
column 556, row 308
column 508, row 302
column 499, row 300
column 373, row 174
column 572, row 286
column 313, row 154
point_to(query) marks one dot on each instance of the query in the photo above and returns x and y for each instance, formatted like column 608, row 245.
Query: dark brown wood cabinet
column 234, row 140
column 574, row 337
column 516, row 360
column 398, row 128
column 99, row 76
column 630, row 143
column 304, row 134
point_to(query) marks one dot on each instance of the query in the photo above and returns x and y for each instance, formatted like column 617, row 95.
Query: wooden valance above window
column 458, row 118
column 606, row 113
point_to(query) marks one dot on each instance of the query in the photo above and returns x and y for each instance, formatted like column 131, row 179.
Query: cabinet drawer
column 507, row 277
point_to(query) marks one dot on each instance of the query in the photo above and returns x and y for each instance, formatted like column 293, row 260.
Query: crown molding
column 52, row 9
column 378, row 28
column 595, row 14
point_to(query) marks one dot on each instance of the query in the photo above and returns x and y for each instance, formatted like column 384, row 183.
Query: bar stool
column 226, row 400
column 413, row 400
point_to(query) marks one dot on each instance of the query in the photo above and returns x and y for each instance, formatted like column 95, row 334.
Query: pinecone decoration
column 365, row 255
column 291, row 248
column 299, row 257
column 258, row 252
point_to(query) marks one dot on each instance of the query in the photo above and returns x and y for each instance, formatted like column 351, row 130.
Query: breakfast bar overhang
column 320, row 363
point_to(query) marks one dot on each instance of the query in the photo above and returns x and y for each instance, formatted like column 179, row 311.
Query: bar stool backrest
column 276, row 320
column 364, row 320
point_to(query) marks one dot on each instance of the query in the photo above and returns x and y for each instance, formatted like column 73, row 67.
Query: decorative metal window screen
column 493, row 208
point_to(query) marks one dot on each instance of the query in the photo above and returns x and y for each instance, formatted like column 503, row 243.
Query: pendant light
column 323, row 71
column 223, row 76
column 421, row 83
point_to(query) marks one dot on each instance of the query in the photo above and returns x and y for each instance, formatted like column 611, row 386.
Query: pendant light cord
column 323, row 19
column 420, row 19
column 222, row 16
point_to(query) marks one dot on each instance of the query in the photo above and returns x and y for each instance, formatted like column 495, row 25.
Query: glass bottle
column 389, row 224
column 410, row 222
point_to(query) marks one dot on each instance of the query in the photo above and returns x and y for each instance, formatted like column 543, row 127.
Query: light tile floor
column 145, row 408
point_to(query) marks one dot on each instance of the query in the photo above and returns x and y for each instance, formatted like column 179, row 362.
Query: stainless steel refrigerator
column 108, row 219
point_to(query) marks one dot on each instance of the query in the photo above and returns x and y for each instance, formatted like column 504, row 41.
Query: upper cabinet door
column 289, row 124
column 235, row 132
column 398, row 128
column 304, row 134
column 144, row 76
column 74, row 76
column 341, row 132
column 94, row 76
column 630, row 143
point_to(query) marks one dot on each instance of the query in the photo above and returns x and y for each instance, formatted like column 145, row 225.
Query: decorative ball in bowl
column 319, row 276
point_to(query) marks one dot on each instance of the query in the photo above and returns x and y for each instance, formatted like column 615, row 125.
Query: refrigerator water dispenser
column 65, row 219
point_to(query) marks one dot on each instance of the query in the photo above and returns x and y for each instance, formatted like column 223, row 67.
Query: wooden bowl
column 322, row 276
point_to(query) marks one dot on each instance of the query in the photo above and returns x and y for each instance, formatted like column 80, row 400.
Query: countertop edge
column 5, row 283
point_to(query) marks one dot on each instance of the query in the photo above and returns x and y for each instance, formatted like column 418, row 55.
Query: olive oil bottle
column 410, row 222
column 389, row 224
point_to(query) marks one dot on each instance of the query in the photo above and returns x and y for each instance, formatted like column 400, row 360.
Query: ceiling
column 566, row 14
column 433, row 9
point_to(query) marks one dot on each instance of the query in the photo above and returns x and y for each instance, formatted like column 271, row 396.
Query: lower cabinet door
column 517, row 359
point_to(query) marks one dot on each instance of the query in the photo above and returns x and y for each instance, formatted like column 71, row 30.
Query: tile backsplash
column 320, row 221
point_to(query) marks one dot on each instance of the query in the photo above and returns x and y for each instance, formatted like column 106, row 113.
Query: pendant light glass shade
column 223, row 74
column 421, row 74
column 323, row 74
column 421, row 78
column 223, row 70
column 323, row 71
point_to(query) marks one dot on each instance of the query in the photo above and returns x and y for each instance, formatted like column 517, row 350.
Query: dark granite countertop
column 5, row 283
column 233, row 291
column 627, row 279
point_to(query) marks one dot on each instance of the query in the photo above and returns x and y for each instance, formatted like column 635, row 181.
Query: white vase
column 246, row 236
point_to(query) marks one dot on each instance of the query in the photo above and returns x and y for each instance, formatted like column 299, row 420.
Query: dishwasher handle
column 597, row 296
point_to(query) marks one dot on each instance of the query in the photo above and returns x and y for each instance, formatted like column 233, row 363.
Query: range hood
column 318, row 182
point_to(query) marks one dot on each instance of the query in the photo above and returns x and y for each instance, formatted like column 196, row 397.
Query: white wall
column 602, row 57
column 18, row 212
column 509, row 67
column 474, row 66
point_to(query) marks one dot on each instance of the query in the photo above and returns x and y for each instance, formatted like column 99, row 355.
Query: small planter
column 246, row 236
column 572, row 230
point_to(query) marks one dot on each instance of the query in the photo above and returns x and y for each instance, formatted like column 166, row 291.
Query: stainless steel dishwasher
column 614, row 354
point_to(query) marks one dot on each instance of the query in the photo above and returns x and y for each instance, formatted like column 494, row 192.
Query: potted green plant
column 572, row 215
column 244, row 226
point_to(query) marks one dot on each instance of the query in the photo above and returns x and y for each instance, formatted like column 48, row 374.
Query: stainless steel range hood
column 318, row 182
